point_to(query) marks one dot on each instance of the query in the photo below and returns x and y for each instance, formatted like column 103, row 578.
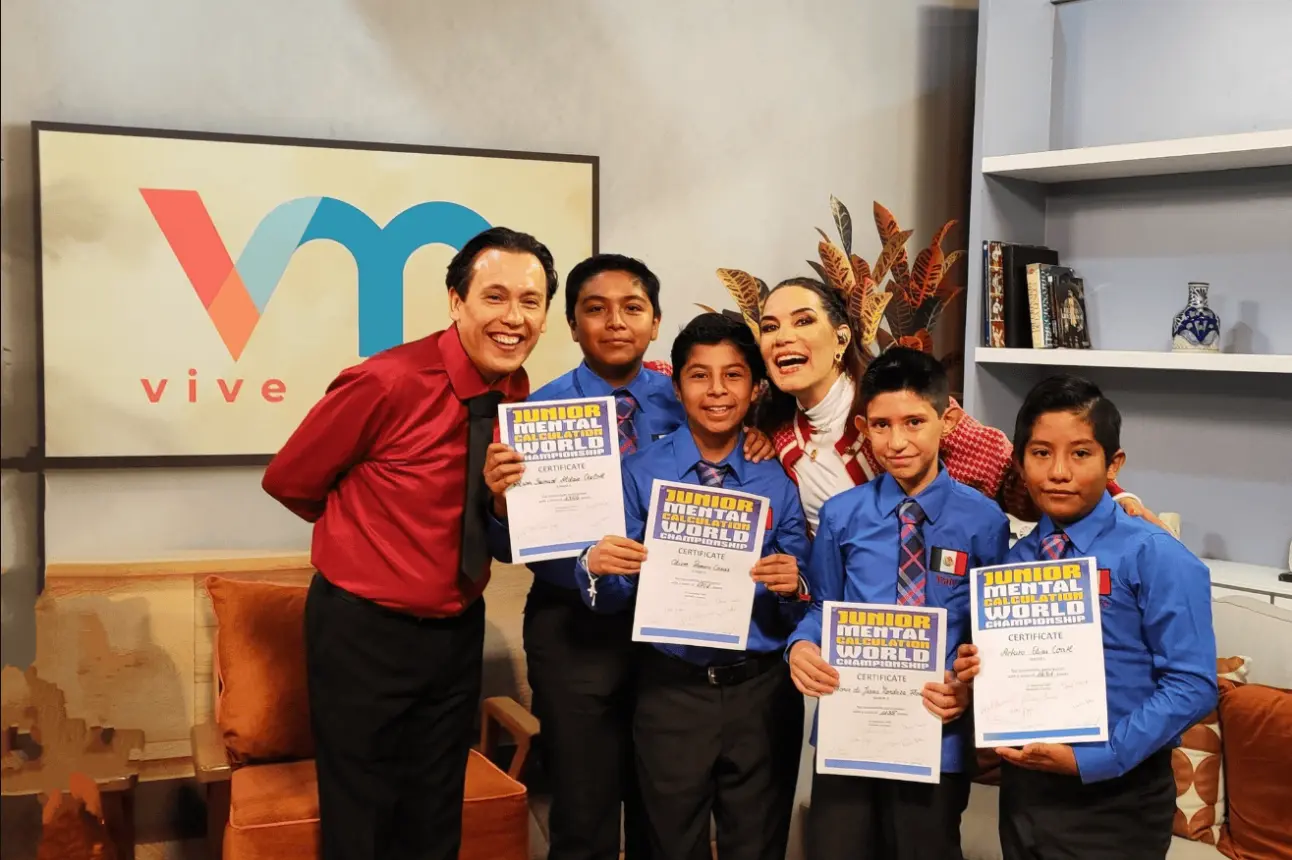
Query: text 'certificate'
column 695, row 587
column 1037, row 628
column 571, row 494
column 875, row 724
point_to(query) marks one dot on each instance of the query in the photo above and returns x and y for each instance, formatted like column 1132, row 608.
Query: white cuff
column 582, row 562
column 1125, row 495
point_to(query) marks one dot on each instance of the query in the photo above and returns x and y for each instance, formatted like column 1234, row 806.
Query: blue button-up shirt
column 674, row 458
column 658, row 414
column 1159, row 646
column 855, row 556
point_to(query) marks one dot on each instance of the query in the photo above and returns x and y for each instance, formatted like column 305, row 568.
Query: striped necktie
column 625, row 411
column 1056, row 546
column 911, row 568
column 711, row 475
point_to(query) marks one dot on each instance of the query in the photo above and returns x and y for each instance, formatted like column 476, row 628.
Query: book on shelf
column 1029, row 300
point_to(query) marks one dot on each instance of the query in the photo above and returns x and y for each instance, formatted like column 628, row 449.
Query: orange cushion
column 274, row 813
column 1199, row 766
column 263, row 704
column 1257, row 744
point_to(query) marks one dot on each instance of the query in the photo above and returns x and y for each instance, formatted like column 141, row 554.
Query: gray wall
column 723, row 129
column 1212, row 446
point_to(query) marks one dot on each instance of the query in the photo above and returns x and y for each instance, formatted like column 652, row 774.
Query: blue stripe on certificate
column 1092, row 731
column 879, row 767
column 557, row 547
column 693, row 635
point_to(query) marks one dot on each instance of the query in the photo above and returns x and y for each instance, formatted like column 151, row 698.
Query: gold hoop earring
column 838, row 358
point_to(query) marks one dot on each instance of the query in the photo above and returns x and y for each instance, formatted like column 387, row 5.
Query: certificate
column 571, row 494
column 875, row 724
column 1037, row 628
column 695, row 587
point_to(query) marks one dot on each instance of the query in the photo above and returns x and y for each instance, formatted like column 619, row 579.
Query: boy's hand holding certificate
column 876, row 723
column 571, row 490
column 695, row 587
column 1041, row 651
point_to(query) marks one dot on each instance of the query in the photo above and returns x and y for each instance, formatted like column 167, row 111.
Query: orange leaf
column 894, row 249
column 861, row 272
column 838, row 270
column 921, row 340
column 872, row 313
column 744, row 289
column 885, row 223
column 887, row 226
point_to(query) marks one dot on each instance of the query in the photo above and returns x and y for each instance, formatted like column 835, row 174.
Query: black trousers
column 393, row 705
column 730, row 749
column 582, row 671
column 1046, row 816
column 861, row 818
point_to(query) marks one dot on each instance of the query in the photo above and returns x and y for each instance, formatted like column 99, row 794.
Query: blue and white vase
column 1196, row 328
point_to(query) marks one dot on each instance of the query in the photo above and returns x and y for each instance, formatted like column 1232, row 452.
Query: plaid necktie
column 911, row 568
column 625, row 409
column 711, row 475
column 1056, row 546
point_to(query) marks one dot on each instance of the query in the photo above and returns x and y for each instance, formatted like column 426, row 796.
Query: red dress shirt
column 379, row 466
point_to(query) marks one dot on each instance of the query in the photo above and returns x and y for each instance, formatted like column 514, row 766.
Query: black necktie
column 483, row 411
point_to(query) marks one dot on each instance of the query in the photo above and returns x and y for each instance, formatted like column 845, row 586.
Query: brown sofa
column 256, row 758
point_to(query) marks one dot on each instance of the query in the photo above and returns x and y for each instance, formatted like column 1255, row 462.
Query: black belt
column 723, row 675
column 334, row 590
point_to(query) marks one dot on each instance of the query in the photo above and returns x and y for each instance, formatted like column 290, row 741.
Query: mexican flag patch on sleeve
column 953, row 561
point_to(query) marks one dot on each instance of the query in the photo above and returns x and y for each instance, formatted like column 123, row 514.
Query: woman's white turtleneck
column 826, row 475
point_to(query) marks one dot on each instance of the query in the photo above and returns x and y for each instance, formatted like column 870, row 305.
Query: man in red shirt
column 389, row 468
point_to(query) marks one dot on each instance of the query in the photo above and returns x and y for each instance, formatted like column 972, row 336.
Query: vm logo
column 235, row 294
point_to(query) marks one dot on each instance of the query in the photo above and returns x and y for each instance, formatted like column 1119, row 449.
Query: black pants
column 1045, row 816
column 582, row 672
column 861, row 818
column 393, row 704
column 730, row 749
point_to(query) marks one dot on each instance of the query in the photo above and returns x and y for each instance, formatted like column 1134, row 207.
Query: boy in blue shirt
column 579, row 663
column 716, row 731
column 906, row 538
column 1115, row 799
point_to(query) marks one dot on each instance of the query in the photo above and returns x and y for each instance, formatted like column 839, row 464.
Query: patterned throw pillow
column 1199, row 776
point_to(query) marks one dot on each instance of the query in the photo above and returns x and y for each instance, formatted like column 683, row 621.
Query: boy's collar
column 932, row 498
column 1083, row 532
column 594, row 386
column 687, row 454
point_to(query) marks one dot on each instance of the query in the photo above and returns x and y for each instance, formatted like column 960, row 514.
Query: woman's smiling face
column 799, row 343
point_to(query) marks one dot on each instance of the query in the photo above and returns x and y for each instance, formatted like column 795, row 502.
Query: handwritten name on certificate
column 695, row 587
column 571, row 494
column 1037, row 628
column 875, row 724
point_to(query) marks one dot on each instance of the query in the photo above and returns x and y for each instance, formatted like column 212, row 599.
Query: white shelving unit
column 1149, row 158
column 1209, row 200
column 1196, row 361
column 1251, row 578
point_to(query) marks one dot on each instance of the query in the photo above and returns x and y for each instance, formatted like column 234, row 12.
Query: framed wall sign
column 198, row 292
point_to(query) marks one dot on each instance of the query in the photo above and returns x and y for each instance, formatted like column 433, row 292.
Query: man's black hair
column 1067, row 393
column 458, row 278
column 601, row 263
column 710, row 329
column 901, row 368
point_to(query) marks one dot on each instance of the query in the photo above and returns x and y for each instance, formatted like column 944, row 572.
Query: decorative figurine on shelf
column 1196, row 328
